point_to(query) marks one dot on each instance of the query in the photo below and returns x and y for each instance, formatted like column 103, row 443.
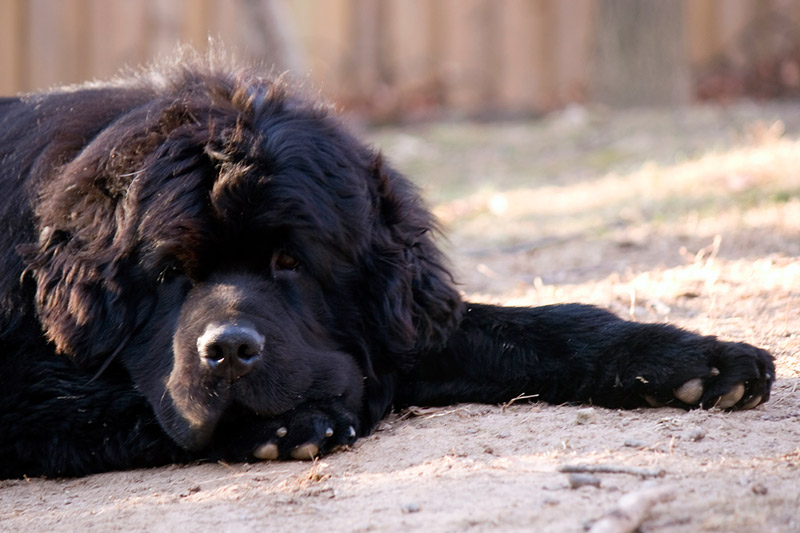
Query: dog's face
column 231, row 246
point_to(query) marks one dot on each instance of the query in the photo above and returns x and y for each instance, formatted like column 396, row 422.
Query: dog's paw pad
column 690, row 392
column 267, row 452
column 305, row 452
column 753, row 402
column 730, row 398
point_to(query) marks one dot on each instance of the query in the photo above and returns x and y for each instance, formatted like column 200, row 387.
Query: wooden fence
column 384, row 56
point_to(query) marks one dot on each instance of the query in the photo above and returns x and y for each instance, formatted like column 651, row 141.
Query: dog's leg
column 579, row 353
column 56, row 422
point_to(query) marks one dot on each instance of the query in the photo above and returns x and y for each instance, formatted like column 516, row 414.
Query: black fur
column 198, row 263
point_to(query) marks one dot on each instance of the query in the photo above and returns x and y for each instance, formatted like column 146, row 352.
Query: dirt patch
column 692, row 218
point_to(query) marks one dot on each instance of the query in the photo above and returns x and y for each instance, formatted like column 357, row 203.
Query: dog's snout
column 230, row 350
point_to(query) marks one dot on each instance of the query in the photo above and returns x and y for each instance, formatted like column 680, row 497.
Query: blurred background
column 408, row 59
column 640, row 155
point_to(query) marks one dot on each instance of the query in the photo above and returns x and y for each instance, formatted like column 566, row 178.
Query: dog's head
column 231, row 244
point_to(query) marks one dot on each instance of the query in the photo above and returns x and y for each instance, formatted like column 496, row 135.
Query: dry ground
column 691, row 217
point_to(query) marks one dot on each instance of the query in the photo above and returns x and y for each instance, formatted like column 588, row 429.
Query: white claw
column 281, row 432
column 352, row 432
column 266, row 452
column 753, row 402
column 690, row 392
column 714, row 371
column 731, row 398
column 305, row 452
column 329, row 432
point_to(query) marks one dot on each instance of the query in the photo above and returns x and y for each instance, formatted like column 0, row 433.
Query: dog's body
column 200, row 264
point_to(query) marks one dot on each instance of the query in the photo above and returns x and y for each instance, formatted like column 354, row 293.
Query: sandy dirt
column 692, row 218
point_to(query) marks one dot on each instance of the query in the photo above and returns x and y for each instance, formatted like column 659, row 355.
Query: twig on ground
column 631, row 510
column 434, row 412
column 522, row 396
column 612, row 469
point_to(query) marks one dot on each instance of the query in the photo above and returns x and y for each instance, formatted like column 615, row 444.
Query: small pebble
column 411, row 508
column 585, row 416
column 633, row 443
column 759, row 489
column 695, row 434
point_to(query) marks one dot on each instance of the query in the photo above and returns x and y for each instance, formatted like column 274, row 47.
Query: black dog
column 202, row 265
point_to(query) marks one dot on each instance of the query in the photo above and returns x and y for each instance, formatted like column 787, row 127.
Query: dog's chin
column 190, row 416
column 191, row 433
column 190, row 412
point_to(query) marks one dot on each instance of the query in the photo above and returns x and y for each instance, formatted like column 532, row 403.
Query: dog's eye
column 284, row 261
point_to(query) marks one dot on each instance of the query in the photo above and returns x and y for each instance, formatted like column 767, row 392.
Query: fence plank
column 11, row 51
column 702, row 29
column 411, row 62
column 731, row 20
column 196, row 22
column 119, row 35
column 516, row 76
column 55, row 42
column 324, row 31
column 367, row 48
column 465, row 70
column 572, row 34
column 163, row 27
column 545, row 20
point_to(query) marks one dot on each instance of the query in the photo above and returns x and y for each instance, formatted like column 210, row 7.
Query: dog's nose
column 230, row 350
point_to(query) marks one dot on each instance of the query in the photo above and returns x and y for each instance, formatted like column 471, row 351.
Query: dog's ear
column 91, row 292
column 79, row 297
column 78, row 263
column 415, row 304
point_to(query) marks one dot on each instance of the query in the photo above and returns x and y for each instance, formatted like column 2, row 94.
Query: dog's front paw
column 731, row 376
column 308, row 431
